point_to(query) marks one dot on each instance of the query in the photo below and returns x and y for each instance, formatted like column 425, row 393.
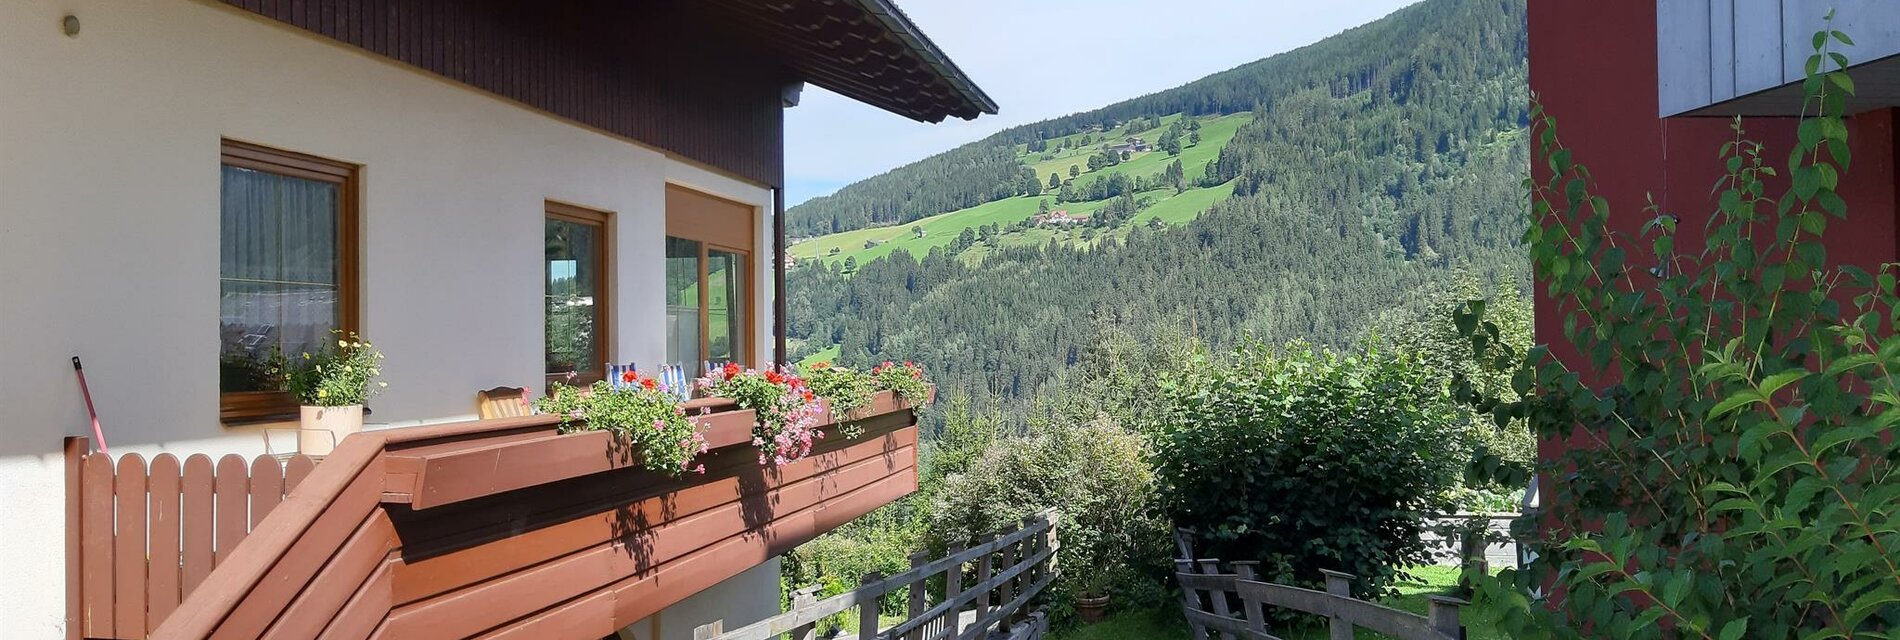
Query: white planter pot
column 323, row 427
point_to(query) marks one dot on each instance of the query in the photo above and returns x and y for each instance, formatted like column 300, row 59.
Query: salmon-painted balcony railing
column 497, row 528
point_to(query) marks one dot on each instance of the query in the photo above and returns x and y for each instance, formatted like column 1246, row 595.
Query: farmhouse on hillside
column 499, row 194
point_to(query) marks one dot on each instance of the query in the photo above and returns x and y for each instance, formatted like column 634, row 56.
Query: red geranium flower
column 774, row 377
column 628, row 376
column 650, row 383
column 732, row 368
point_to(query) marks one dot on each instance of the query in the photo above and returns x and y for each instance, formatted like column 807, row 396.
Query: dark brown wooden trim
column 605, row 260
column 779, row 353
column 259, row 406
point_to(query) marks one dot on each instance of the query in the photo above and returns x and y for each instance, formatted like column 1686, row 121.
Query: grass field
column 1166, row 623
column 942, row 229
column 939, row 230
column 1215, row 132
column 828, row 354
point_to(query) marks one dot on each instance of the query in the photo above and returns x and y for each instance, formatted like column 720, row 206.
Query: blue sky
column 1045, row 58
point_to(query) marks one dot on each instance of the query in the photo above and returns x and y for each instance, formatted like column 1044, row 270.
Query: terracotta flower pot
column 322, row 428
column 1090, row 610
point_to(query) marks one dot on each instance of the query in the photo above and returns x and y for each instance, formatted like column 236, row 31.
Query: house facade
column 497, row 193
column 1647, row 115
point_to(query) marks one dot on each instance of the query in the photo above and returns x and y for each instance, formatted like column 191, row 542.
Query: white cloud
column 1049, row 58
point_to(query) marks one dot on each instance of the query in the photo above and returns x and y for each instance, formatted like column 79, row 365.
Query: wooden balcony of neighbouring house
column 493, row 528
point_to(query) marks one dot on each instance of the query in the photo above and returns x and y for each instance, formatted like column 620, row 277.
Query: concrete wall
column 109, row 228
column 739, row 601
column 1717, row 50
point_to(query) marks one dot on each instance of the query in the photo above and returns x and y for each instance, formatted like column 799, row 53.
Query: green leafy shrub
column 1094, row 474
column 1428, row 333
column 1736, row 476
column 1305, row 459
column 880, row 541
column 644, row 417
column 336, row 376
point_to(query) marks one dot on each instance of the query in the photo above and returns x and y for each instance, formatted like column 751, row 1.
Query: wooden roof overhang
column 703, row 79
column 867, row 50
column 509, row 529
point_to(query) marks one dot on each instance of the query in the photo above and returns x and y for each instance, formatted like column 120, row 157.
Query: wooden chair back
column 503, row 402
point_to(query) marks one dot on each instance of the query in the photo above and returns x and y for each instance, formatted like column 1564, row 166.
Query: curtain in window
column 277, row 274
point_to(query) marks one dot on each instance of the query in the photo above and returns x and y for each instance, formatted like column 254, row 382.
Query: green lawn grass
column 1166, row 623
column 828, row 354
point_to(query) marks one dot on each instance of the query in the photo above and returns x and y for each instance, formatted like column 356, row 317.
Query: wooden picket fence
column 1234, row 605
column 141, row 537
column 1011, row 567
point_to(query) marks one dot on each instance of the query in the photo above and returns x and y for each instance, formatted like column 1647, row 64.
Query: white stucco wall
column 109, row 159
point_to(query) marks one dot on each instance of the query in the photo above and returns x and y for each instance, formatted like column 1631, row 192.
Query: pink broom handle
column 97, row 433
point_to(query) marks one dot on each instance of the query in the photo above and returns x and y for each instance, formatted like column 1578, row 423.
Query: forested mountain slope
column 1391, row 60
column 1373, row 163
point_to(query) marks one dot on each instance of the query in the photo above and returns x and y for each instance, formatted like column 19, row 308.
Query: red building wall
column 1593, row 67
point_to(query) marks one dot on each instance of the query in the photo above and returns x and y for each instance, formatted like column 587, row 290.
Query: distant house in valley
column 1131, row 144
column 1059, row 217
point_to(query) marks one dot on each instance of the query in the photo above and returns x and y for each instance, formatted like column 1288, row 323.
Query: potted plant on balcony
column 332, row 385
column 788, row 410
column 847, row 391
column 641, row 413
column 906, row 380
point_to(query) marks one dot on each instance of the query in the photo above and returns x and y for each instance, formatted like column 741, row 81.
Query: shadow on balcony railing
column 500, row 526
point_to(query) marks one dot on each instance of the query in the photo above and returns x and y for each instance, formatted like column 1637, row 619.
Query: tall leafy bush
column 1094, row 474
column 1735, row 477
column 1306, row 459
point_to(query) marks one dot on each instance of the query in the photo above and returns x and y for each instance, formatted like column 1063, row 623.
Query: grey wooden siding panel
column 1683, row 54
column 1758, row 46
column 1745, row 47
column 1721, row 48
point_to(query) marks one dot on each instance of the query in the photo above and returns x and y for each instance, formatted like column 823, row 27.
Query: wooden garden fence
column 141, row 537
column 1009, row 569
column 1234, row 605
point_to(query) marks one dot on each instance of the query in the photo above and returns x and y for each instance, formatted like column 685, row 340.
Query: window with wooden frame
column 709, row 279
column 287, row 270
column 579, row 309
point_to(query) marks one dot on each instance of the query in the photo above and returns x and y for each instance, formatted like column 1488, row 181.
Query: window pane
column 682, row 303
column 725, row 306
column 277, row 274
column 573, row 262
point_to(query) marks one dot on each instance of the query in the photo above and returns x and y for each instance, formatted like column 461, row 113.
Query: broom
column 97, row 434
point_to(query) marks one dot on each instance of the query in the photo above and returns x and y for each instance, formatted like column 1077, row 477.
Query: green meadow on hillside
column 942, row 229
column 1215, row 132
